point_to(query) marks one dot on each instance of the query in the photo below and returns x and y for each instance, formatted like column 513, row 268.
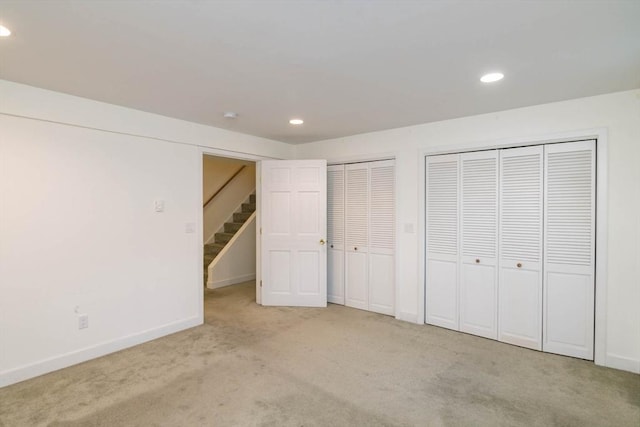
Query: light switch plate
column 159, row 205
column 190, row 227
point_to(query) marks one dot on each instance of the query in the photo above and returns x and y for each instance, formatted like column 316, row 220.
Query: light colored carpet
column 258, row 366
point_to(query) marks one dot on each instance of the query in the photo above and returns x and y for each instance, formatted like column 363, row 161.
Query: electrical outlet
column 83, row 321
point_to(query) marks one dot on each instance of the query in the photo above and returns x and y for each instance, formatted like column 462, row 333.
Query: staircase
column 211, row 250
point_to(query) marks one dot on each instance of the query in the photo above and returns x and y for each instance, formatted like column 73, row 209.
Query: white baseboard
column 623, row 363
column 45, row 366
column 232, row 281
column 408, row 317
column 335, row 300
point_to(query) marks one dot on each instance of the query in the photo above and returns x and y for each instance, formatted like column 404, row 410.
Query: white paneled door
column 520, row 247
column 569, row 249
column 357, row 236
column 442, row 240
column 335, row 230
column 293, row 254
column 382, row 237
column 479, row 243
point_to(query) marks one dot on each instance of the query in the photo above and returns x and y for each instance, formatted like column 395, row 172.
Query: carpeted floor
column 257, row 366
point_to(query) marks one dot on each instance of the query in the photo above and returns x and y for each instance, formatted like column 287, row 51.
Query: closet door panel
column 382, row 237
column 479, row 243
column 335, row 233
column 520, row 247
column 478, row 300
column 569, row 253
column 381, row 280
column 441, row 291
column 357, row 235
column 357, row 276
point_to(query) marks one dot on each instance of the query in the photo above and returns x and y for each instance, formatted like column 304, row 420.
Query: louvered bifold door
column 382, row 237
column 441, row 292
column 357, row 235
column 479, row 243
column 520, row 247
column 569, row 249
column 335, row 234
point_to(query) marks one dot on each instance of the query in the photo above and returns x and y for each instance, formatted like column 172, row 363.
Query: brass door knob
column 322, row 242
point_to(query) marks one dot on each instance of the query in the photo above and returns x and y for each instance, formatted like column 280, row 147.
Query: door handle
column 322, row 242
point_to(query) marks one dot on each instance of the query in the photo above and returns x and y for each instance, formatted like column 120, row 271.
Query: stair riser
column 212, row 248
column 232, row 227
column 223, row 237
column 248, row 207
column 241, row 217
column 252, row 198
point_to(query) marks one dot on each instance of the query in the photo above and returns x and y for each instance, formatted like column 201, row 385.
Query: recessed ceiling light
column 4, row 31
column 230, row 115
column 296, row 121
column 491, row 77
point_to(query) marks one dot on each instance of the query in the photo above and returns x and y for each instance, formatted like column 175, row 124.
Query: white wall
column 78, row 231
column 618, row 112
column 237, row 261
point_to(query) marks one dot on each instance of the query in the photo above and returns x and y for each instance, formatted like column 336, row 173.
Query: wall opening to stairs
column 229, row 235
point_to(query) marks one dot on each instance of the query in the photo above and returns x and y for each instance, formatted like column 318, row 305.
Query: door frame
column 601, row 137
column 229, row 154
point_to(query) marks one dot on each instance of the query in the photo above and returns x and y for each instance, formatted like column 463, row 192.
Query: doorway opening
column 228, row 221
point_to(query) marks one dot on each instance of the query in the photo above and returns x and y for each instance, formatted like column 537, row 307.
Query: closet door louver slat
column 357, row 235
column 335, row 204
column 335, row 235
column 479, row 242
column 442, row 176
column 520, row 247
column 382, row 237
column 569, row 253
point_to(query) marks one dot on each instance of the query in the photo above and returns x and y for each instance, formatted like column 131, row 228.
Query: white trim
column 409, row 317
column 238, row 155
column 361, row 158
column 241, row 156
column 259, row 233
column 601, row 136
column 231, row 281
column 623, row 363
column 602, row 251
column 200, row 249
column 45, row 366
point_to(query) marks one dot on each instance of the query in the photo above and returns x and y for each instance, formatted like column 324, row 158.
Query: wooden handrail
column 224, row 185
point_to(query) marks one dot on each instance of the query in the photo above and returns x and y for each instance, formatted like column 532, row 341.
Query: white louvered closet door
column 441, row 291
column 569, row 253
column 357, row 235
column 335, row 234
column 479, row 243
column 520, row 246
column 382, row 237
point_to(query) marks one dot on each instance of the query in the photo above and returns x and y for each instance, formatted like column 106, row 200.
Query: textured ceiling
column 346, row 67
